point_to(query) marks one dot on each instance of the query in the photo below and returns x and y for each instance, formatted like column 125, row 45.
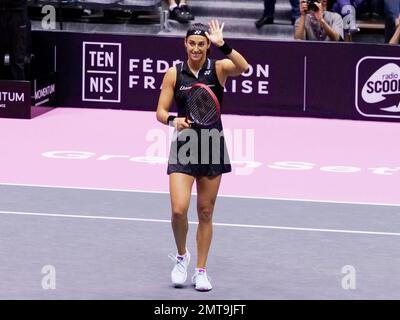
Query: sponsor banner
column 285, row 78
column 101, row 72
column 15, row 99
column 378, row 87
column 44, row 90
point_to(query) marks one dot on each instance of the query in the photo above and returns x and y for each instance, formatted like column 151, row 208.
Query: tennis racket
column 203, row 107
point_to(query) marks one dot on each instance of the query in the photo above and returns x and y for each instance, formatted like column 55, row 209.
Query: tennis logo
column 101, row 72
column 378, row 87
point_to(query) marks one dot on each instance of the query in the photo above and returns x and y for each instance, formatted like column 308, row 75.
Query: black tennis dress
column 190, row 153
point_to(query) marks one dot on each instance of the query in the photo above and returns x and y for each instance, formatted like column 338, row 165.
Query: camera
column 312, row 6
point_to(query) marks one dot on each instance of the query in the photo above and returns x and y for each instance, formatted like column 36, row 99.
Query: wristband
column 170, row 119
column 225, row 48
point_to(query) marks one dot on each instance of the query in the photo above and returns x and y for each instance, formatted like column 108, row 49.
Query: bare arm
column 332, row 34
column 166, row 95
column 165, row 101
column 396, row 37
column 236, row 64
column 300, row 32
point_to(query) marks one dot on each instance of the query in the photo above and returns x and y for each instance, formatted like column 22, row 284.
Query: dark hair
column 198, row 27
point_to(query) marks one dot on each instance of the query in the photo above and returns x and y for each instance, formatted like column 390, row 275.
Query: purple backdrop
column 330, row 80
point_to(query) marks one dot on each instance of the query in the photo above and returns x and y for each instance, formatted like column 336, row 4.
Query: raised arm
column 236, row 64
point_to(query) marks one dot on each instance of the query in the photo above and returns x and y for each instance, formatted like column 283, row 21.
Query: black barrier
column 25, row 99
column 15, row 99
column 202, row 309
column 299, row 78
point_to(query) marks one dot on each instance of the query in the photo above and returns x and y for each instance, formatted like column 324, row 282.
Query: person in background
column 396, row 36
column 318, row 24
column 392, row 11
column 269, row 11
column 348, row 10
column 179, row 11
column 14, row 24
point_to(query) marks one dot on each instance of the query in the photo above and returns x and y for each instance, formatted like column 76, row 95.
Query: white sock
column 172, row 6
column 183, row 255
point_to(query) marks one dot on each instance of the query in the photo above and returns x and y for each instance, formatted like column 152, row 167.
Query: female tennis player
column 192, row 157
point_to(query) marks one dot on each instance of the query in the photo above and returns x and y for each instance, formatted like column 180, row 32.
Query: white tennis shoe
column 179, row 272
column 201, row 280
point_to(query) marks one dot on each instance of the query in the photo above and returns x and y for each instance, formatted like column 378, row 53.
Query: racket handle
column 187, row 121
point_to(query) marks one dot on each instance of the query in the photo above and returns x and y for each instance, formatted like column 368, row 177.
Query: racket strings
column 202, row 107
column 201, row 114
column 210, row 115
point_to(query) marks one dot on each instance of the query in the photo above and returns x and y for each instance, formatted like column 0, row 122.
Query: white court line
column 193, row 222
column 219, row 195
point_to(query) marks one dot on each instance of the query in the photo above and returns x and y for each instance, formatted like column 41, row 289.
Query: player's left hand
column 215, row 33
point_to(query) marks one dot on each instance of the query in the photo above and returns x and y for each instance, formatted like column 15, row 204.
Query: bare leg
column 180, row 186
column 207, row 190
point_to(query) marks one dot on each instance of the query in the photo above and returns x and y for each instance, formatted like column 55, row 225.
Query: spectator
column 179, row 12
column 396, row 36
column 14, row 26
column 318, row 24
column 392, row 10
column 348, row 9
column 269, row 11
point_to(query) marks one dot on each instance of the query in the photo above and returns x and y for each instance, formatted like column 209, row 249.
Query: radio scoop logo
column 378, row 87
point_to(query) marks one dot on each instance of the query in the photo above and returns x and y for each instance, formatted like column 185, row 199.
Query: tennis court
column 310, row 210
